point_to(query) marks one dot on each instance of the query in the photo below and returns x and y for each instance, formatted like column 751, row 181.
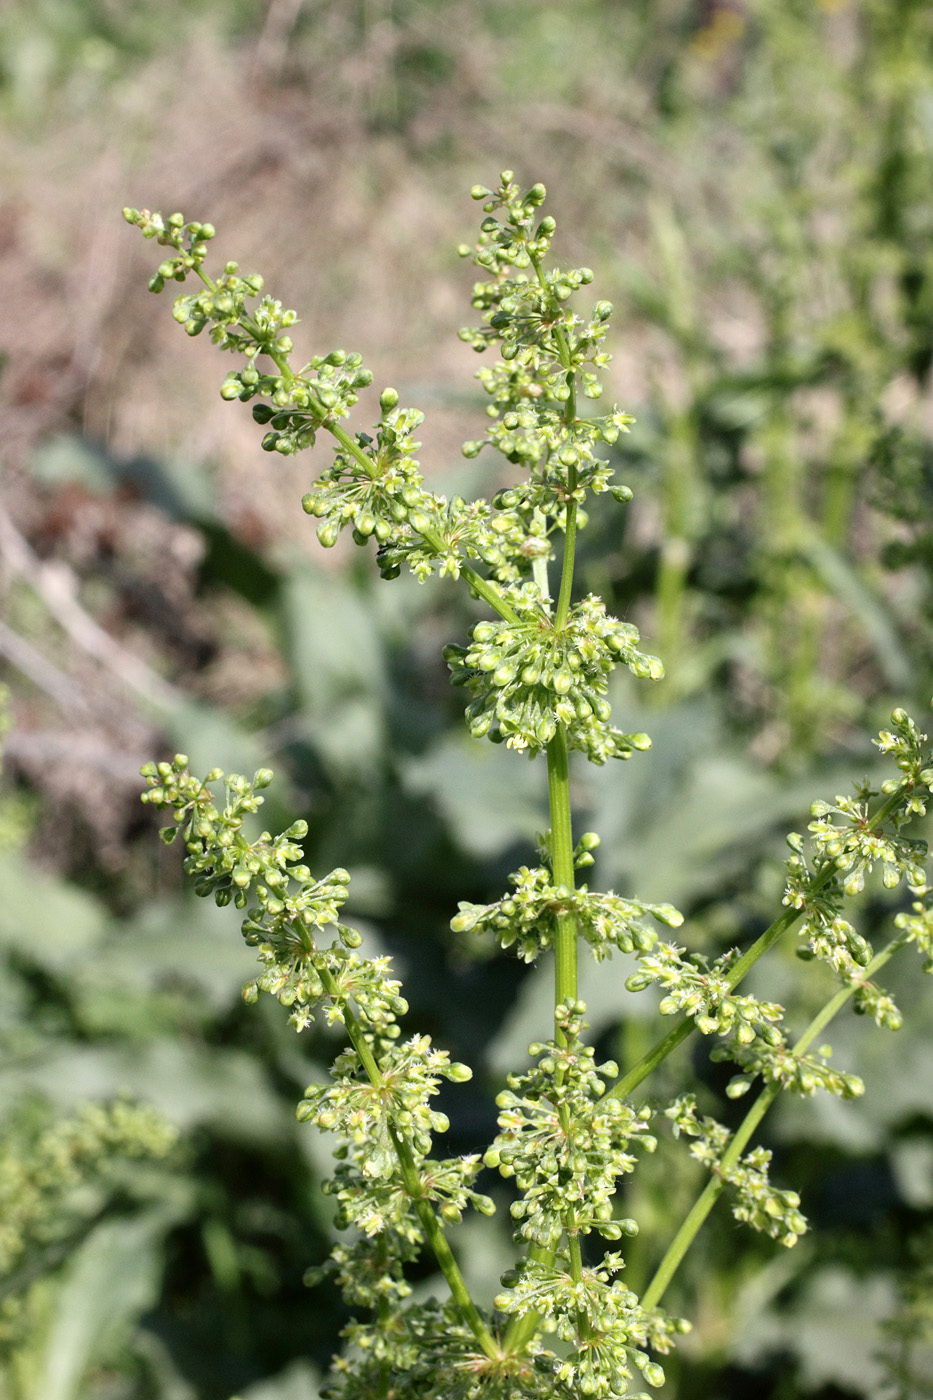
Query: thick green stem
column 442, row 1251
column 570, row 545
column 744, row 1133
column 746, row 962
column 412, row 1181
column 562, row 868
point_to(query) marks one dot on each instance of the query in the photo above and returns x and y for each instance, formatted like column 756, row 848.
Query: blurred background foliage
column 751, row 180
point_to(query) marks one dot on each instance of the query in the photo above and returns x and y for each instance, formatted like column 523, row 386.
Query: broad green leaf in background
column 89, row 1311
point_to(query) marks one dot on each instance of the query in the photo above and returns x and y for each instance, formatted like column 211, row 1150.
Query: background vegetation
column 751, row 182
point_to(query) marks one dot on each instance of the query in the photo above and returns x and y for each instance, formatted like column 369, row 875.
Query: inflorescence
column 538, row 676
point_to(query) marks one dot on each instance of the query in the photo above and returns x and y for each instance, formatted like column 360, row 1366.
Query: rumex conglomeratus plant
column 536, row 669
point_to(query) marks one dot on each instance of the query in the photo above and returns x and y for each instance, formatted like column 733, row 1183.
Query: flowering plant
column 537, row 673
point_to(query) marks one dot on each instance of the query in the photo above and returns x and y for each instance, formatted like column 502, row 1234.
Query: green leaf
column 111, row 1279
column 46, row 920
column 485, row 808
column 337, row 651
column 298, row 1381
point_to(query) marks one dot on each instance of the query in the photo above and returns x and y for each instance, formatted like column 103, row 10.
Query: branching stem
column 429, row 1222
column 744, row 1133
column 678, row 1033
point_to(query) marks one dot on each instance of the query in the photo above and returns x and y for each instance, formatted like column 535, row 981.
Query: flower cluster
column 523, row 305
column 378, row 1104
column 765, row 1207
column 440, row 536
column 564, row 1140
column 600, row 1321
column 189, row 241
column 526, row 919
column 918, row 927
column 703, row 990
column 545, row 349
column 55, row 1179
column 779, row 1064
column 293, row 908
column 37, row 1189
column 429, row 1354
column 322, row 391
column 376, row 487
column 318, row 395
column 529, row 676
column 823, row 931
column 849, row 838
column 548, row 492
column 364, row 1113
column 220, row 858
column 857, row 845
column 905, row 742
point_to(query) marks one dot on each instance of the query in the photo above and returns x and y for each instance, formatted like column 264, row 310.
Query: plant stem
column 565, row 946
column 746, row 962
column 409, row 1170
column 570, row 545
column 715, row 1186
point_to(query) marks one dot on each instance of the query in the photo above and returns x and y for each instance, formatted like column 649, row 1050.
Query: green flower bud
column 388, row 400
column 653, row 1374
column 609, row 1229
